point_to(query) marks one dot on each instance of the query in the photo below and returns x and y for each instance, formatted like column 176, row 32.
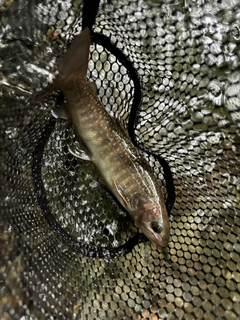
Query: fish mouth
column 160, row 238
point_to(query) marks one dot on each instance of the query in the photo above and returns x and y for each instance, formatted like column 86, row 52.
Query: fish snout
column 152, row 218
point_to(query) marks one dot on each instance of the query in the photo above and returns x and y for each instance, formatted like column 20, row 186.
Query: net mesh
column 177, row 62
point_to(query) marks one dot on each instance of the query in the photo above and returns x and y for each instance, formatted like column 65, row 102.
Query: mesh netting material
column 186, row 55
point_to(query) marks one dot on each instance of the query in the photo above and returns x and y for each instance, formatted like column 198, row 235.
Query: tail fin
column 74, row 61
column 76, row 58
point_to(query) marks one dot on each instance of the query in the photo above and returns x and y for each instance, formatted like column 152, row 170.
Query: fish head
column 151, row 217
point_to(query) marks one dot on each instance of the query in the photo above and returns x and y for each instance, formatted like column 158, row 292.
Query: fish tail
column 74, row 62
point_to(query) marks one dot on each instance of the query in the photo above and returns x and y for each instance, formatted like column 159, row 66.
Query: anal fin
column 79, row 151
column 60, row 112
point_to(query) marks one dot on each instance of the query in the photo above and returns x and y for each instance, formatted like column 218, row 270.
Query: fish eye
column 157, row 226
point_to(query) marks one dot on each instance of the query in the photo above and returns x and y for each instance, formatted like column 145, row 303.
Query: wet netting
column 168, row 71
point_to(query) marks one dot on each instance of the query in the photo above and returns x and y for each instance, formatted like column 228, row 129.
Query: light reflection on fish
column 120, row 164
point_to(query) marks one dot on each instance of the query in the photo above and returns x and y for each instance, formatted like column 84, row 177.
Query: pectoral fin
column 121, row 193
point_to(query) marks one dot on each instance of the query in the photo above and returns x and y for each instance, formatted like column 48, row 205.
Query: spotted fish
column 120, row 164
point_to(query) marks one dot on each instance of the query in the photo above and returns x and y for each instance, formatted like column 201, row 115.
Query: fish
column 104, row 141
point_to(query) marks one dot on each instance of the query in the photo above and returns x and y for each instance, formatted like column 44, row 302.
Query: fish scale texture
column 186, row 56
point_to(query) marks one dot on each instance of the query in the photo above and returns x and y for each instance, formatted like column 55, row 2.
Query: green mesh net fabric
column 186, row 57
